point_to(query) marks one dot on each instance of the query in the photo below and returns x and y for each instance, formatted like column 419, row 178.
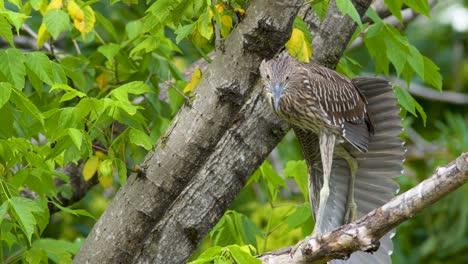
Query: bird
column 348, row 130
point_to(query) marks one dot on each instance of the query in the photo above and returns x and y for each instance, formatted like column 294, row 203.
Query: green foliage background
column 97, row 83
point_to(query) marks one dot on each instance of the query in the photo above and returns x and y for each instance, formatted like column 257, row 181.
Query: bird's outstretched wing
column 374, row 185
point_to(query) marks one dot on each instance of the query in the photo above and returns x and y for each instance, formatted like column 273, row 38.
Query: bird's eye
column 287, row 78
column 268, row 76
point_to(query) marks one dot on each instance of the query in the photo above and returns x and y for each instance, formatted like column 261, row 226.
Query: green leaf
column 3, row 210
column 23, row 210
column 59, row 251
column 105, row 173
column 35, row 81
column 68, row 117
column 76, row 136
column 420, row 6
column 140, row 138
column 5, row 92
column 59, row 73
column 184, row 31
column 240, row 256
column 431, row 74
column 405, row 99
column 205, row 27
column 395, row 8
column 416, row 60
column 39, row 63
column 41, row 182
column 35, row 256
column 57, row 21
column 271, row 175
column 299, row 216
column 134, row 29
column 148, row 45
column 107, row 25
column 37, row 4
column 12, row 67
column 5, row 31
column 377, row 49
column 109, row 50
column 298, row 171
column 22, row 103
column 420, row 110
column 121, row 170
column 74, row 211
column 161, row 11
column 374, row 16
column 348, row 67
column 137, row 87
column 320, row 8
column 347, row 8
column 208, row 256
column 235, row 228
column 16, row 19
column 396, row 51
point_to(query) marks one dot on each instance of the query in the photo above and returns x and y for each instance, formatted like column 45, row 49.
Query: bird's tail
column 382, row 162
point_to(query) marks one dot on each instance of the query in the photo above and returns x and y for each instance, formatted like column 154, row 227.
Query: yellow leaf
column 77, row 15
column 298, row 47
column 101, row 155
column 42, row 35
column 240, row 11
column 89, row 19
column 90, row 168
column 102, row 80
column 54, row 4
column 220, row 8
column 196, row 76
column 106, row 173
column 227, row 22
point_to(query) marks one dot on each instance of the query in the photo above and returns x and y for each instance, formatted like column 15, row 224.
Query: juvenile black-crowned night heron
column 355, row 119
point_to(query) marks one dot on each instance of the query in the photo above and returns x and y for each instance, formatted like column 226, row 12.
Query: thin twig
column 186, row 98
column 77, row 47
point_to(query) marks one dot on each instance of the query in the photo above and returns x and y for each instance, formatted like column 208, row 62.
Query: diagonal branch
column 364, row 234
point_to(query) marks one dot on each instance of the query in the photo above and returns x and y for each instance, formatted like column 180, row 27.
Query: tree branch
column 432, row 94
column 364, row 234
column 427, row 92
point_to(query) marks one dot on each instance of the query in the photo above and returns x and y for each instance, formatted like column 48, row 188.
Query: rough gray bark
column 364, row 234
column 185, row 148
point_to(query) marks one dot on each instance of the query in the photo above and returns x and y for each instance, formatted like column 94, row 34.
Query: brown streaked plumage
column 322, row 98
column 356, row 119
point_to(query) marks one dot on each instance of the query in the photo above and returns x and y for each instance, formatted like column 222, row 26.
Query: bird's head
column 277, row 77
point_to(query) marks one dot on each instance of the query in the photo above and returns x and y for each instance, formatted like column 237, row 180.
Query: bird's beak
column 277, row 90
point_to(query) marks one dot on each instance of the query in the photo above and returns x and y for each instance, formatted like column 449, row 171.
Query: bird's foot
column 351, row 213
column 301, row 244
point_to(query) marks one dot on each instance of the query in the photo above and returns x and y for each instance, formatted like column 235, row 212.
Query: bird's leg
column 351, row 207
column 327, row 145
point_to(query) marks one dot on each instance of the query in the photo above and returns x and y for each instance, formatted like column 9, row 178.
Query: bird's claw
column 350, row 214
column 301, row 244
